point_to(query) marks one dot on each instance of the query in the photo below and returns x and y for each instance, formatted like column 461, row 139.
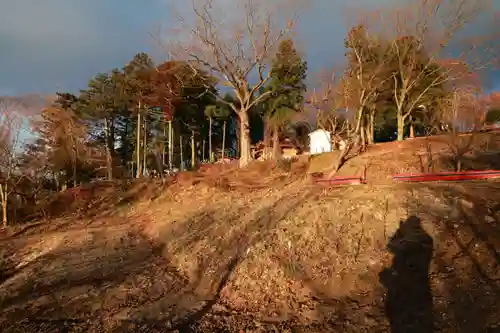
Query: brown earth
column 260, row 250
column 382, row 160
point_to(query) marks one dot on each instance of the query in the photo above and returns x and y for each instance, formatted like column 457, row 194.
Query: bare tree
column 365, row 79
column 420, row 33
column 326, row 103
column 464, row 110
column 65, row 133
column 236, row 49
column 10, row 131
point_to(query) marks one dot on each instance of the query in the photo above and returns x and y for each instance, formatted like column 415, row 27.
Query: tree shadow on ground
column 466, row 265
column 219, row 256
column 119, row 283
column 89, row 286
column 444, row 275
column 127, row 283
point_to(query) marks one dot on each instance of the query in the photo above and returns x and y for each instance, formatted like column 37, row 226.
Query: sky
column 58, row 45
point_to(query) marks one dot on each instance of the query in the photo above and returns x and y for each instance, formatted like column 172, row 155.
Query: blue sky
column 58, row 45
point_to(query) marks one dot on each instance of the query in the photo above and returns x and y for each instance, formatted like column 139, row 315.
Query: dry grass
column 258, row 175
column 259, row 250
column 383, row 160
column 300, row 248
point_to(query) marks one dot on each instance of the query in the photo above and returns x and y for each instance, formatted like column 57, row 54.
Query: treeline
column 218, row 97
column 141, row 120
column 144, row 119
column 134, row 121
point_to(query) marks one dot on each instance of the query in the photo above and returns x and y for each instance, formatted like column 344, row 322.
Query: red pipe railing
column 447, row 176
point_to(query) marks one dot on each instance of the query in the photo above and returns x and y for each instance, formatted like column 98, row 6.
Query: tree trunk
column 267, row 139
column 203, row 151
column 138, row 143
column 111, row 136
column 367, row 133
column 371, row 125
column 75, row 183
column 170, row 145
column 401, row 126
column 193, row 151
column 4, row 214
column 276, row 143
column 109, row 158
column 164, row 150
column 4, row 197
column 223, row 139
column 363, row 135
column 412, row 128
column 237, row 135
column 430, row 159
column 245, row 143
column 359, row 120
column 56, row 180
column 145, row 147
column 159, row 164
column 125, row 141
column 182, row 156
column 74, row 160
column 210, row 153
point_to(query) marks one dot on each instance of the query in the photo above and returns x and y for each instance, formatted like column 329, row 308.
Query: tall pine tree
column 138, row 74
column 288, row 73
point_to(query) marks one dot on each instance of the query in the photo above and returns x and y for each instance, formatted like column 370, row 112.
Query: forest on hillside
column 221, row 92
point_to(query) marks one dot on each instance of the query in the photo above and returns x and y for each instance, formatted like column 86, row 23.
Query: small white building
column 320, row 142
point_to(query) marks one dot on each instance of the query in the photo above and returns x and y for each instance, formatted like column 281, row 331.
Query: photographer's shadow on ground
column 408, row 303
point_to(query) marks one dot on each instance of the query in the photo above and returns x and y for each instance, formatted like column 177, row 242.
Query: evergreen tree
column 182, row 93
column 287, row 87
column 138, row 86
column 98, row 104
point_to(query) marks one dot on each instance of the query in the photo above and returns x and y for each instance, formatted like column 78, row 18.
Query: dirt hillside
column 277, row 255
column 419, row 155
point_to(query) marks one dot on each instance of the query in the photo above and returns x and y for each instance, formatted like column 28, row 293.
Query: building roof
column 319, row 130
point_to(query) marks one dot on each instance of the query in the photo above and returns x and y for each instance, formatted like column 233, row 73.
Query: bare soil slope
column 382, row 160
column 218, row 256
